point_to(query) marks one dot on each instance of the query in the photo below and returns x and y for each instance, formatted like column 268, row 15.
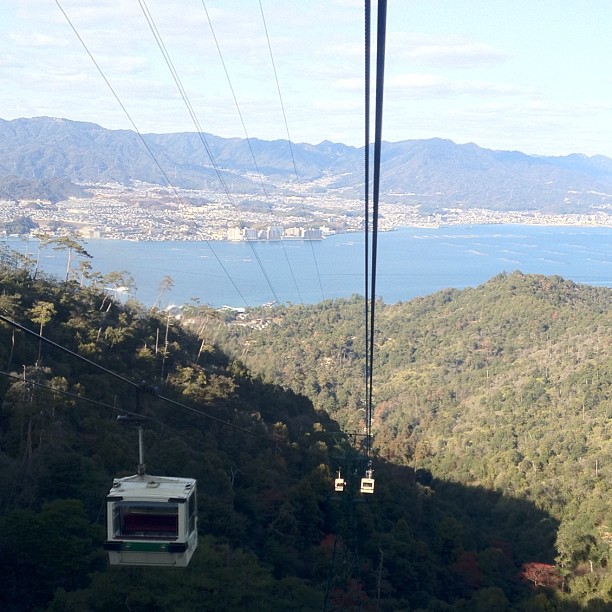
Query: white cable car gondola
column 367, row 482
column 151, row 520
column 339, row 483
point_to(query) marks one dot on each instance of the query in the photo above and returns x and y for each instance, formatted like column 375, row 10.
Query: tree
column 116, row 282
column 8, row 307
column 85, row 269
column 166, row 285
column 40, row 552
column 72, row 245
column 42, row 312
column 541, row 574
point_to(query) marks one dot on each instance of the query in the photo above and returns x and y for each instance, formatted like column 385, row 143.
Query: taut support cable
column 381, row 23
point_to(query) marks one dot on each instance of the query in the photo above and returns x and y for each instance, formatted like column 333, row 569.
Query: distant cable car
column 339, row 483
column 367, row 482
column 151, row 521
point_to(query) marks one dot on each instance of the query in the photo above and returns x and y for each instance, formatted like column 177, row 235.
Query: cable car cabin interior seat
column 151, row 520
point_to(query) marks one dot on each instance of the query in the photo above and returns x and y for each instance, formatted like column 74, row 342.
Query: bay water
column 411, row 262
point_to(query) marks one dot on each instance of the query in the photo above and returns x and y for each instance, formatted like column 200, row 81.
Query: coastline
column 554, row 221
column 413, row 261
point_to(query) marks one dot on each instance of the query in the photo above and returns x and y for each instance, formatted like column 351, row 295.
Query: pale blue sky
column 506, row 74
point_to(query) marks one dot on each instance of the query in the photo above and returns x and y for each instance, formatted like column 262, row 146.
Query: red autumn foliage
column 542, row 574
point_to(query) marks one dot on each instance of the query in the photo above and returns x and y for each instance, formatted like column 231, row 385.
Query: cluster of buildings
column 277, row 232
column 150, row 212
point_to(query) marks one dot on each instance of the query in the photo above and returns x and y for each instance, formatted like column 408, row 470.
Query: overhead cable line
column 123, row 108
column 342, row 570
column 133, row 384
column 144, row 142
column 280, row 96
column 248, row 139
column 50, row 342
column 127, row 413
column 366, row 188
column 381, row 22
column 67, row 394
column 278, row 89
column 200, row 132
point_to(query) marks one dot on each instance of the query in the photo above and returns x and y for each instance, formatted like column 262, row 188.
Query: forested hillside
column 506, row 387
column 490, row 428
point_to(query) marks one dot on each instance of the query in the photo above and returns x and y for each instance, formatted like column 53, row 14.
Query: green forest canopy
column 491, row 436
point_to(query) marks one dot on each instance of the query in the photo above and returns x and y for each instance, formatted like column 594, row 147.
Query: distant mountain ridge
column 433, row 173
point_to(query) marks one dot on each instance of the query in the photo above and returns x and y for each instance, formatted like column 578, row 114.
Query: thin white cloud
column 420, row 81
column 464, row 55
column 340, row 105
column 349, row 84
column 453, row 75
column 428, row 85
column 36, row 39
column 451, row 52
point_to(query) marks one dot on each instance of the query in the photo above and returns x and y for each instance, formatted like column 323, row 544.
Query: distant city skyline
column 511, row 74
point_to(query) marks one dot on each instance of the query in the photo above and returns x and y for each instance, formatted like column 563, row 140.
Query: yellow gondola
column 367, row 482
column 339, row 483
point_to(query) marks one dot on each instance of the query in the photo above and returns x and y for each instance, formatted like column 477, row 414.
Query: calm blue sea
column 411, row 262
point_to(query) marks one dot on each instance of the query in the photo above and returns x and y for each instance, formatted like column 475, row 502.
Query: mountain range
column 53, row 157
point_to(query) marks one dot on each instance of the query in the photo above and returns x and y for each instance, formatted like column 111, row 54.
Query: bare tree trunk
column 10, row 360
column 27, row 453
column 69, row 262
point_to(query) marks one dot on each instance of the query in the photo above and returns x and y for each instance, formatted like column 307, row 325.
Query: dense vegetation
column 504, row 387
column 490, row 425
